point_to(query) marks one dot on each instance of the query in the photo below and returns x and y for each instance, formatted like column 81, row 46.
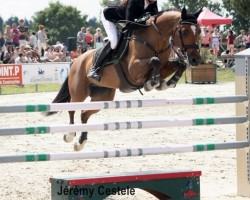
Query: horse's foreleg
column 70, row 136
column 169, row 68
column 97, row 94
column 154, row 80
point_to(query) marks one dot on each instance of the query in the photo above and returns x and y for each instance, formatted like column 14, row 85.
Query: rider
column 128, row 10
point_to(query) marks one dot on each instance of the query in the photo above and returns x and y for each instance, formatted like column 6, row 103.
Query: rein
column 157, row 53
column 181, row 58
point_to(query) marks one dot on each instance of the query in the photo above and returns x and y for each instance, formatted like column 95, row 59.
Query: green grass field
column 223, row 75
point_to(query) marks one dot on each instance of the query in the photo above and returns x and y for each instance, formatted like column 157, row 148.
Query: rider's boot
column 94, row 72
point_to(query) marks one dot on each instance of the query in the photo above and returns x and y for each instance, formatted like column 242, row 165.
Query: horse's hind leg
column 70, row 136
column 97, row 94
column 78, row 94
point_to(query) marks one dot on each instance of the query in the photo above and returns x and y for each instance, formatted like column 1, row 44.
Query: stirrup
column 93, row 74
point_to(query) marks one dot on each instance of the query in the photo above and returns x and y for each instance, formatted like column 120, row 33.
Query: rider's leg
column 111, row 31
column 93, row 73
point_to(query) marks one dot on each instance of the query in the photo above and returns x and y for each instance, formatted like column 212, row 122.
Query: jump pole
column 131, row 152
column 125, row 125
column 242, row 87
column 53, row 107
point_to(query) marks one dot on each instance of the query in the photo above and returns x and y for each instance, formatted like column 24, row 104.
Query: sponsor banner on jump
column 10, row 74
column 45, row 73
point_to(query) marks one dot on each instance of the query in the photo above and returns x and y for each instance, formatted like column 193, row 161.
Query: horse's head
column 186, row 36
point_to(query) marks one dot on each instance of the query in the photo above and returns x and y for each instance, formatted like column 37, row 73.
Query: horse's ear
column 183, row 13
column 198, row 13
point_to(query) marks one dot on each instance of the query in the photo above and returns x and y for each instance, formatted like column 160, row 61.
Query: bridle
column 181, row 58
column 184, row 47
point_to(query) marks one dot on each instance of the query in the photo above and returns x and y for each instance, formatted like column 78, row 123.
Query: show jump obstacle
column 149, row 179
column 179, row 185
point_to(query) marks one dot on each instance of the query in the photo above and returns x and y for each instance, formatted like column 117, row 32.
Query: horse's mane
column 189, row 17
column 167, row 10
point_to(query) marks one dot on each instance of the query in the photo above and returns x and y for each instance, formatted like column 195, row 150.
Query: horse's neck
column 135, row 64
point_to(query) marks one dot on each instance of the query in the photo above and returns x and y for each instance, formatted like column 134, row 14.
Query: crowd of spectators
column 213, row 39
column 17, row 45
column 224, row 45
column 86, row 40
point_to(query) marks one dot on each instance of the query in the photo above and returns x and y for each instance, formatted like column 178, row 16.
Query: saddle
column 115, row 57
column 119, row 52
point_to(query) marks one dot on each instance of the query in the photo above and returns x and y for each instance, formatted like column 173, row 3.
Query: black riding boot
column 93, row 73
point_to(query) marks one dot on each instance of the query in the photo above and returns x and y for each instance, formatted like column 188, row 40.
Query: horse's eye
column 184, row 32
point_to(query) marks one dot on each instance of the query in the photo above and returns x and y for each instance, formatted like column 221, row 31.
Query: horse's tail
column 63, row 96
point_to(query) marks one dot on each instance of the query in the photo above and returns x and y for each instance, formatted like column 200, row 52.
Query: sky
column 27, row 8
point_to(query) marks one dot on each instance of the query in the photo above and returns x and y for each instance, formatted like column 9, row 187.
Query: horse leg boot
column 94, row 72
column 154, row 80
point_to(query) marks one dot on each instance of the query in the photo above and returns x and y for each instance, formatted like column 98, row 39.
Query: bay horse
column 144, row 65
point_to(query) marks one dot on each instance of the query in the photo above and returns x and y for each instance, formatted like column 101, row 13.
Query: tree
column 60, row 21
column 192, row 6
column 1, row 24
column 106, row 2
column 12, row 20
column 239, row 21
column 241, row 8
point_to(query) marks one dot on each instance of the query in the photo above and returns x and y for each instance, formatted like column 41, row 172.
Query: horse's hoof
column 78, row 146
column 148, row 87
column 69, row 137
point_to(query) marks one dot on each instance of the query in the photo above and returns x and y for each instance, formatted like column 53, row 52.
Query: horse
column 144, row 65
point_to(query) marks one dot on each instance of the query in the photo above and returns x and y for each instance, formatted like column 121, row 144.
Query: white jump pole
column 54, row 107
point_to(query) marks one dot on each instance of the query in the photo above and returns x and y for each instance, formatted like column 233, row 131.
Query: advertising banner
column 10, row 74
column 37, row 73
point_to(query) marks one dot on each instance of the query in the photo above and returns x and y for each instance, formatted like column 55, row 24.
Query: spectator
column 89, row 39
column 31, row 55
column 41, row 39
column 227, row 58
column 2, row 47
column 9, row 55
column 22, row 49
column 81, row 38
column 21, row 58
column 98, row 39
column 215, row 41
column 241, row 40
column 8, row 35
column 15, row 33
column 23, row 32
column 48, row 54
column 57, row 55
column 79, row 51
column 65, row 57
column 230, row 41
column 58, row 45
column 206, row 37
column 2, row 42
column 248, row 40
column 33, row 41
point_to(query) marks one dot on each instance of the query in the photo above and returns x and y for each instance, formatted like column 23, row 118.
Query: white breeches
column 111, row 31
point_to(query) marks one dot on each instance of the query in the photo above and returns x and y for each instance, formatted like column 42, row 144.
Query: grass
column 223, row 75
column 15, row 89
